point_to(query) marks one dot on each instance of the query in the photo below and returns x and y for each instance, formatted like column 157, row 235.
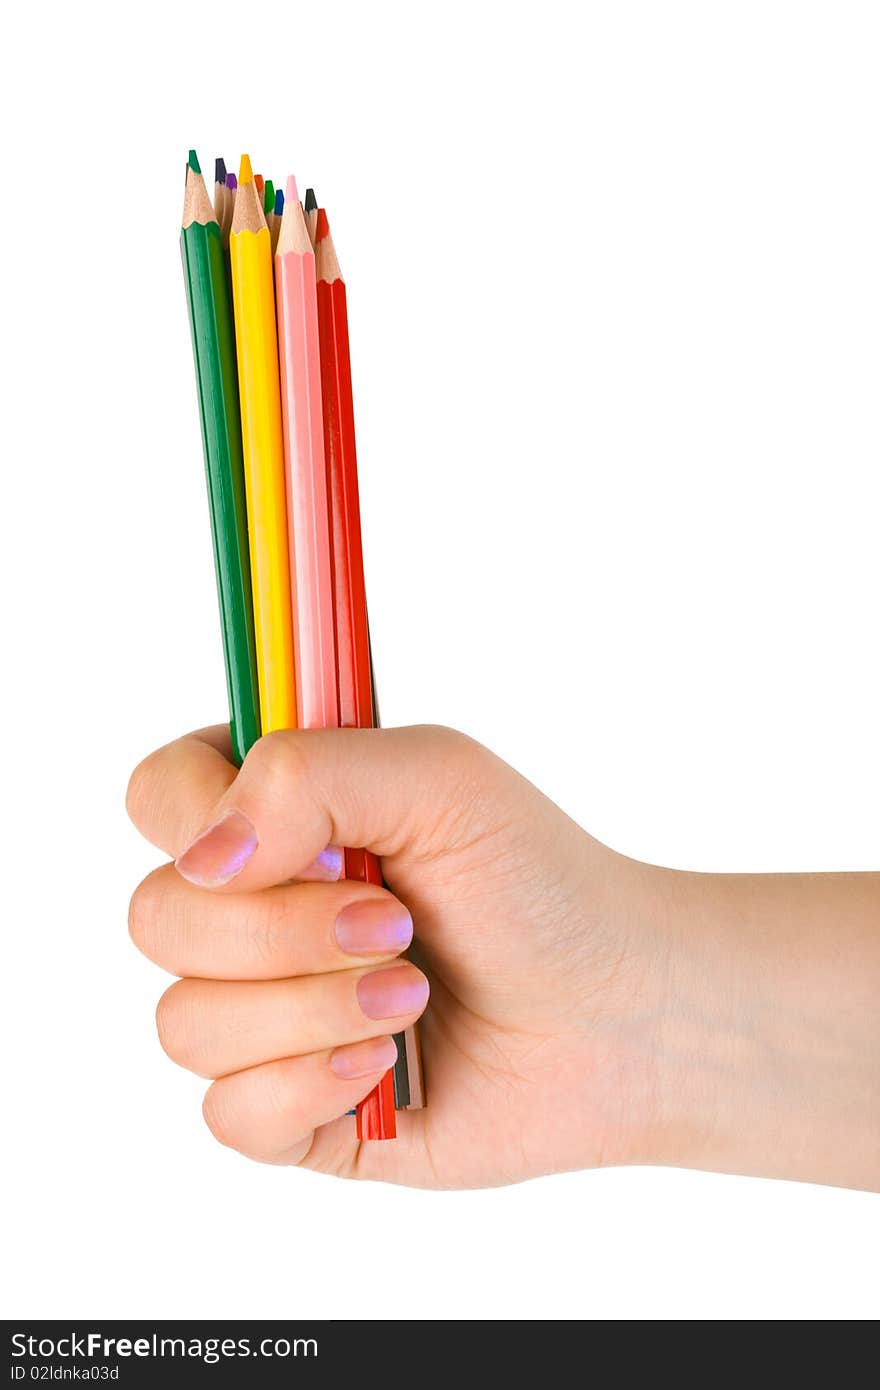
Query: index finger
column 173, row 790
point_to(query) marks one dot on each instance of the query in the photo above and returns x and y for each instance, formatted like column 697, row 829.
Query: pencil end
column 279, row 202
column 193, row 162
column 231, row 182
column 245, row 172
column 292, row 192
column 268, row 197
column 322, row 227
column 311, row 203
column 220, row 170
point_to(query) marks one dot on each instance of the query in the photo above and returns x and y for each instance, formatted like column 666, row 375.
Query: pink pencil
column 303, row 425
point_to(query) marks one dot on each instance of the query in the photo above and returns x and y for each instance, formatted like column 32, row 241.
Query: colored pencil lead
column 245, row 172
column 193, row 162
column 259, row 181
column 322, row 228
column 279, row 202
column 292, row 194
column 231, row 182
column 219, row 170
column 311, row 203
column 269, row 197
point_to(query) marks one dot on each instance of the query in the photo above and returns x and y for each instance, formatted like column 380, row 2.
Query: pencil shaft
column 305, row 469
column 214, row 350
column 257, row 353
column 408, row 1089
column 349, row 592
column 376, row 1113
column 375, row 1116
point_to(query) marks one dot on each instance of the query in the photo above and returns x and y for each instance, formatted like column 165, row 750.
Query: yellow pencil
column 253, row 296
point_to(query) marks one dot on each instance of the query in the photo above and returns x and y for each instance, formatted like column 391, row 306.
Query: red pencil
column 375, row 1116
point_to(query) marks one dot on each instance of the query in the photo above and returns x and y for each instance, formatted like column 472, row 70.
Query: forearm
column 769, row 1026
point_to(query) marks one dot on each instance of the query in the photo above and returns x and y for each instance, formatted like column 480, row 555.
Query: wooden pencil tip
column 279, row 202
column 311, row 203
column 193, row 162
column 269, row 197
column 322, row 227
column 245, row 172
column 231, row 182
column 219, row 170
column 292, row 193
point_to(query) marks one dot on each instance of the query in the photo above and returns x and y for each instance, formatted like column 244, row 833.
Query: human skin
column 585, row 1009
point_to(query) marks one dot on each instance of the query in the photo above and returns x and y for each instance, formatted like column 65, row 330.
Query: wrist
column 766, row 1032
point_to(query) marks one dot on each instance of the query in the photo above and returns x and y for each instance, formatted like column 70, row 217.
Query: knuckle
column 472, row 776
column 452, row 745
column 279, row 760
column 271, row 753
column 136, row 792
column 219, row 1115
column 176, row 1024
column 276, row 766
column 268, row 925
column 143, row 911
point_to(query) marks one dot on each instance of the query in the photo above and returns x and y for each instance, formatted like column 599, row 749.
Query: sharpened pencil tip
column 259, row 181
column 220, row 170
column 245, row 172
column 193, row 162
column 231, row 182
column 322, row 227
column 269, row 197
column 292, row 194
column 311, row 203
column 279, row 202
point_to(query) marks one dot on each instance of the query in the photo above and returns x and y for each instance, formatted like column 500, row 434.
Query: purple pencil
column 228, row 208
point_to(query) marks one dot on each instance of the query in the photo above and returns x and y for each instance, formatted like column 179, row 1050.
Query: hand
column 510, row 899
column 585, row 1009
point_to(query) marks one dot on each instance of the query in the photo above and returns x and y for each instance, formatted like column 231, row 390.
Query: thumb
column 397, row 792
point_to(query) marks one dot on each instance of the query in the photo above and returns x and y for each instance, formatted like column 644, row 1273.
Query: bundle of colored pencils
column 269, row 323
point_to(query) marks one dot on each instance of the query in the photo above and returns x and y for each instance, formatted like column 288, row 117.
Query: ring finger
column 214, row 1027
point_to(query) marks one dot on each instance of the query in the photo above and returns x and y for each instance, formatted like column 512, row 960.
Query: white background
column 615, row 302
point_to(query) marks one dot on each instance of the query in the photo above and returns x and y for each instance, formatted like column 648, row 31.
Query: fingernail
column 401, row 989
column 373, row 926
column 220, row 852
column 364, row 1058
column 327, row 868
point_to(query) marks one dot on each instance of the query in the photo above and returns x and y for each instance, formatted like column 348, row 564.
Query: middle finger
column 294, row 929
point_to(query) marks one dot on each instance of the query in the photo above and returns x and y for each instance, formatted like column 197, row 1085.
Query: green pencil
column 210, row 312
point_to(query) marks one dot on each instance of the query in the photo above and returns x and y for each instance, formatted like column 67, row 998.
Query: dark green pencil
column 210, row 313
